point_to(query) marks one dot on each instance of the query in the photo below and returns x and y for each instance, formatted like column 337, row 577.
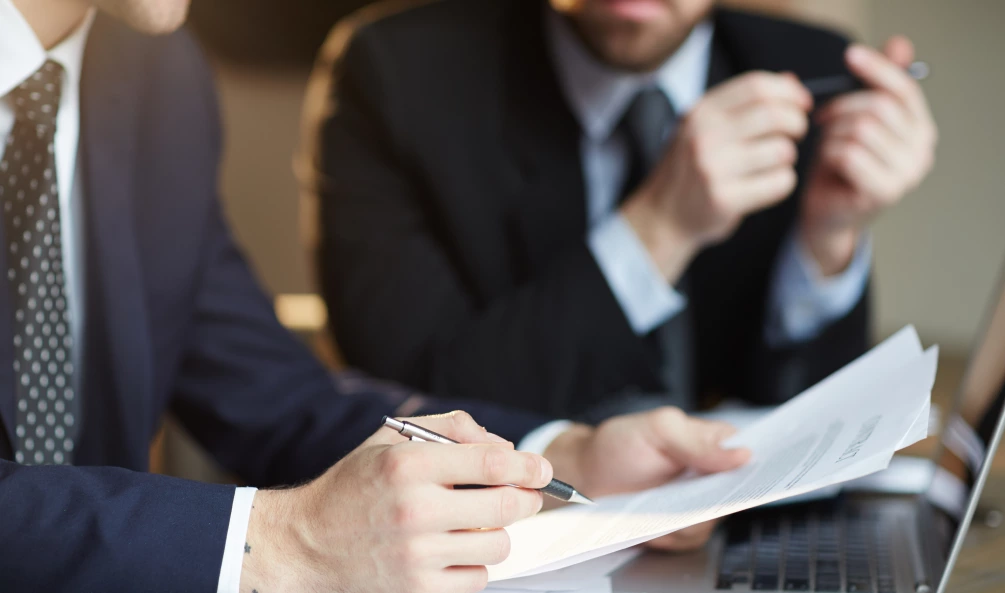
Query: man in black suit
column 544, row 207
column 124, row 296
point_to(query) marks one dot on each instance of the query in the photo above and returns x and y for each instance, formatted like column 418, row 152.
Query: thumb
column 899, row 50
column 710, row 457
column 694, row 443
column 459, row 426
column 717, row 459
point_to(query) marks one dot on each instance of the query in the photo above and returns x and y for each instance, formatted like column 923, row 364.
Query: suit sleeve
column 399, row 304
column 774, row 371
column 779, row 373
column 106, row 529
column 260, row 402
column 253, row 394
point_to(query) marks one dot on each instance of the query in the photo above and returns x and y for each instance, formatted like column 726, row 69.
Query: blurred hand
column 386, row 518
column 641, row 451
column 876, row 145
column 733, row 154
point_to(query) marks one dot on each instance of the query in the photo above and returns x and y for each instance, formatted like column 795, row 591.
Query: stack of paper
column 845, row 427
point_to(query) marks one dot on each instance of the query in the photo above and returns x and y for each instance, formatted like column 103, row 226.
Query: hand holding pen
column 555, row 488
column 876, row 144
column 387, row 517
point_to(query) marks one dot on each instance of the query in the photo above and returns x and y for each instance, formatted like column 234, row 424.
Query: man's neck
column 52, row 20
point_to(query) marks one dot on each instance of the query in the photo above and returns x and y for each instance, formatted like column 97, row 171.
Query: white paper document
column 843, row 428
column 585, row 577
column 595, row 586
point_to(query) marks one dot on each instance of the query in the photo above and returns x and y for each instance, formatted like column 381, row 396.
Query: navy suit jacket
column 175, row 321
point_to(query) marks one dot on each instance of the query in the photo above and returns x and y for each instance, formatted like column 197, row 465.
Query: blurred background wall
column 937, row 254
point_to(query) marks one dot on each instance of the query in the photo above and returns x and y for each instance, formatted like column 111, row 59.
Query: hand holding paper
column 846, row 427
column 642, row 451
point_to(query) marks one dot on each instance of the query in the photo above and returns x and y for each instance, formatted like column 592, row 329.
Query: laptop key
column 797, row 570
column 765, row 583
column 797, row 584
column 828, row 585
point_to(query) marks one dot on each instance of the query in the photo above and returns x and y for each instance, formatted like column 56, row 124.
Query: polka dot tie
column 47, row 408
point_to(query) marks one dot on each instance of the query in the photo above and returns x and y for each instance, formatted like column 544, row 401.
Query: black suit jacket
column 453, row 218
column 175, row 321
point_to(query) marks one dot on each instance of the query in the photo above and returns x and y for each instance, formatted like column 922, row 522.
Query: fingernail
column 545, row 471
column 495, row 438
column 741, row 454
column 857, row 55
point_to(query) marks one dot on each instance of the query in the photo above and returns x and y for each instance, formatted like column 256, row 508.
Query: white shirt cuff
column 537, row 440
column 237, row 537
column 646, row 298
column 805, row 302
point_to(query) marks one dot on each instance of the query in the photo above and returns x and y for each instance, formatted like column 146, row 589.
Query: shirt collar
column 21, row 53
column 599, row 94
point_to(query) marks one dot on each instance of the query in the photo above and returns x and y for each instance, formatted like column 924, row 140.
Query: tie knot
column 37, row 98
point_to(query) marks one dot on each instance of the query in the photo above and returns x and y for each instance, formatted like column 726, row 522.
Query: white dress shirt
column 802, row 302
column 21, row 54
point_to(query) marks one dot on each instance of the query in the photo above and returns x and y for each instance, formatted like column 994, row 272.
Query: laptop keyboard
column 829, row 551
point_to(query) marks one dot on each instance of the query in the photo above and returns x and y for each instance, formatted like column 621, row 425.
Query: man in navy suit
column 125, row 296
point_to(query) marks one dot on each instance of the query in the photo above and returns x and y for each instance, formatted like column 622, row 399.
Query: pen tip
column 580, row 499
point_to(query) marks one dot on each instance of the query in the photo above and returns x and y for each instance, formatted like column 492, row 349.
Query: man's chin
column 625, row 43
column 626, row 50
column 158, row 27
column 148, row 16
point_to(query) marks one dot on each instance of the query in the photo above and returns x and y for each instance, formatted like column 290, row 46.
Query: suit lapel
column 722, row 64
column 542, row 138
column 754, row 42
column 117, row 337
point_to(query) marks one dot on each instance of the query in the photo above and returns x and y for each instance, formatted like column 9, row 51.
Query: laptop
column 859, row 542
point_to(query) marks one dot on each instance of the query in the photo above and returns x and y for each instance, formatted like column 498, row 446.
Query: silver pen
column 827, row 86
column 555, row 488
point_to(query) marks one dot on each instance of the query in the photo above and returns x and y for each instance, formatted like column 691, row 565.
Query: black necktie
column 649, row 125
column 47, row 407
